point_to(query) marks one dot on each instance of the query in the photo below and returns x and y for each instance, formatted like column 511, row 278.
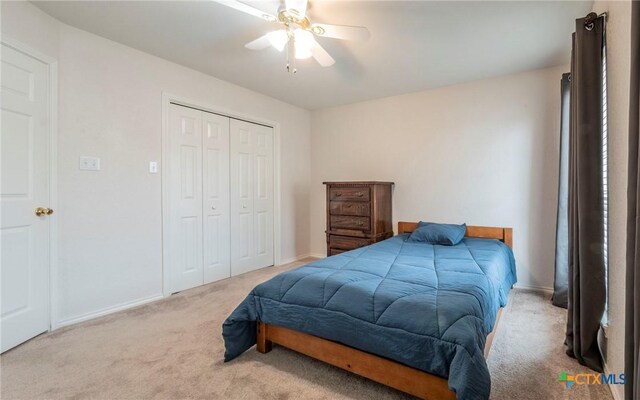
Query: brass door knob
column 40, row 211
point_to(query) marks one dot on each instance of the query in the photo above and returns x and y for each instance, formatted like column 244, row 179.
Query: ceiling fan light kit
column 298, row 34
column 278, row 39
column 304, row 42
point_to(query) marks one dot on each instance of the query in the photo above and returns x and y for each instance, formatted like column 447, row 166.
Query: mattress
column 427, row 306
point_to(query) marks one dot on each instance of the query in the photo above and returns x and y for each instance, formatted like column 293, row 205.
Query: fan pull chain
column 291, row 53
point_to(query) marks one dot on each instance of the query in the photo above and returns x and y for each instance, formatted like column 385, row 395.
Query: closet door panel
column 215, row 142
column 244, row 242
column 186, row 267
column 263, row 196
column 251, row 196
column 242, row 228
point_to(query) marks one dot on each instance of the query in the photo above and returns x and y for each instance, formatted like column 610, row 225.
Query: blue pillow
column 445, row 234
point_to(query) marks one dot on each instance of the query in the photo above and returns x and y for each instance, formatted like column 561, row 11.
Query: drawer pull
column 338, row 194
column 359, row 194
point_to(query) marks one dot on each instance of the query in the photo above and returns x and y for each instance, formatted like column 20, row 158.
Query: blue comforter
column 426, row 306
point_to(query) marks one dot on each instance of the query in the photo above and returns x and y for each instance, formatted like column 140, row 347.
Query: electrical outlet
column 153, row 167
column 89, row 163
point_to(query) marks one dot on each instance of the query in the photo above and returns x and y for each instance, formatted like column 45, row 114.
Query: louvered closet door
column 186, row 257
column 251, row 197
column 215, row 139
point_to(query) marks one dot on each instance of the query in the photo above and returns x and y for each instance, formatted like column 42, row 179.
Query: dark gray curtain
column 632, row 323
column 561, row 281
column 587, row 283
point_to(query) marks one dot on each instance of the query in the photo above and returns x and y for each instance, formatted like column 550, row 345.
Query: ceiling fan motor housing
column 288, row 17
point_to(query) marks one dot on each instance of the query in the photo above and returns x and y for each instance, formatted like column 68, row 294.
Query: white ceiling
column 414, row 45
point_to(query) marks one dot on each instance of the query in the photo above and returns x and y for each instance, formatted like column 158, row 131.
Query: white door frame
column 168, row 98
column 53, row 167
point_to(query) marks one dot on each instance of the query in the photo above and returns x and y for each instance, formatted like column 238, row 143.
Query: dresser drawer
column 350, row 208
column 333, row 252
column 347, row 242
column 350, row 222
column 353, row 194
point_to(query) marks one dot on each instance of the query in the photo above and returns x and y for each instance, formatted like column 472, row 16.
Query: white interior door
column 215, row 138
column 24, row 187
column 185, row 253
column 251, row 196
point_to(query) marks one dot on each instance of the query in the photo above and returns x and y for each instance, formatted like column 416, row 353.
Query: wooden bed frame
column 379, row 369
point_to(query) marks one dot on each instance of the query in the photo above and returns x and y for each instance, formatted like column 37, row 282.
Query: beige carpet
column 173, row 349
column 527, row 355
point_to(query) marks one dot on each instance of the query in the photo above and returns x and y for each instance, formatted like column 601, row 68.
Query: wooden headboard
column 504, row 235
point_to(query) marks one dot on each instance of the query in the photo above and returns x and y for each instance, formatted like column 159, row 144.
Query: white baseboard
column 534, row 288
column 123, row 306
column 105, row 311
column 617, row 391
column 318, row 255
column 294, row 259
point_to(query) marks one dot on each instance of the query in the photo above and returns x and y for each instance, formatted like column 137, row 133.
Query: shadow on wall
column 301, row 229
column 544, row 191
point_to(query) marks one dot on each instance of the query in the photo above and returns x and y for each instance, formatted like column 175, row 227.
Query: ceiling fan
column 297, row 33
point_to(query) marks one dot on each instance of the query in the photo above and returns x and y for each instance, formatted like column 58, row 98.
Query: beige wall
column 110, row 232
column 484, row 153
column 618, row 69
column 24, row 22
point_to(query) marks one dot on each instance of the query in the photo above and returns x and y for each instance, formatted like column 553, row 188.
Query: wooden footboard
column 379, row 369
column 382, row 370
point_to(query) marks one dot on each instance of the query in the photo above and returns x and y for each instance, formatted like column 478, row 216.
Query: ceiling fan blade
column 259, row 44
column 322, row 57
column 343, row 32
column 247, row 9
column 298, row 7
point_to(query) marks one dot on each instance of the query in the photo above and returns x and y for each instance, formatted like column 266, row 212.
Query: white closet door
column 251, row 197
column 215, row 139
column 186, row 258
column 263, row 196
column 24, row 187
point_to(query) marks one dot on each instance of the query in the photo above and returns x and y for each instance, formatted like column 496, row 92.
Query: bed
column 413, row 316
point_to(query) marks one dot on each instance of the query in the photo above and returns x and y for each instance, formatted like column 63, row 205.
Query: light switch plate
column 153, row 167
column 89, row 163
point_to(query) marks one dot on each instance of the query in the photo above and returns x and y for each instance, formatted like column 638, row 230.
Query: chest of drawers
column 358, row 214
